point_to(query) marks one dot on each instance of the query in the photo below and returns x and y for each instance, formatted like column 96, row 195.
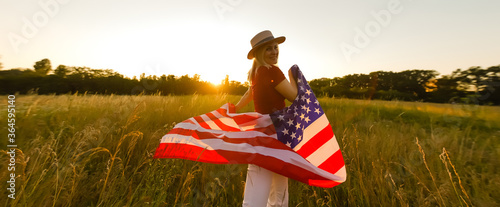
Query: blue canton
column 291, row 121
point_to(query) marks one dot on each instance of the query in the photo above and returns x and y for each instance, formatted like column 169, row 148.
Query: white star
column 297, row 126
column 300, row 138
column 317, row 110
column 289, row 144
column 302, row 88
column 308, row 110
column 303, row 98
column 295, row 114
column 290, row 122
column 299, row 81
column 293, row 135
column 308, row 100
column 285, row 131
column 281, row 117
column 316, row 102
column 308, row 92
column 307, row 120
column 303, row 107
column 302, row 116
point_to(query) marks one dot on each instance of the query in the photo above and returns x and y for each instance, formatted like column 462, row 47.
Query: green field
column 93, row 150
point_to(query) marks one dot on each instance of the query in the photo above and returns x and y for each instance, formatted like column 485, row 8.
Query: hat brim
column 279, row 40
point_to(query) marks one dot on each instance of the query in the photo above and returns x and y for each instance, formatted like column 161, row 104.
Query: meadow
column 94, row 150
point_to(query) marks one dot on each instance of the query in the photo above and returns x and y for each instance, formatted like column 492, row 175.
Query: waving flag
column 297, row 141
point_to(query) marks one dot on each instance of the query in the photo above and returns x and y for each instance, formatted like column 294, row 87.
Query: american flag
column 297, row 141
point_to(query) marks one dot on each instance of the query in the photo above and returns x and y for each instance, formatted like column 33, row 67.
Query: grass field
column 92, row 150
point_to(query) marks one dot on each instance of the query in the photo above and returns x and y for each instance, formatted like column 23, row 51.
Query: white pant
column 265, row 188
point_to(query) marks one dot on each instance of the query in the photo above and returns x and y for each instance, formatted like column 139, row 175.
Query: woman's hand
column 245, row 99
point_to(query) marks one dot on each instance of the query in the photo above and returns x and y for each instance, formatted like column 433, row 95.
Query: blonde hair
column 258, row 61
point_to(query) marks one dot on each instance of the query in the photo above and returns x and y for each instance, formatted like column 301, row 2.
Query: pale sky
column 212, row 37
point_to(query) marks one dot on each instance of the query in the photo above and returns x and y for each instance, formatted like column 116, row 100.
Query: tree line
column 474, row 85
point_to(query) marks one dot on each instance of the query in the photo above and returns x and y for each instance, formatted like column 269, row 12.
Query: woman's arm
column 245, row 99
column 288, row 89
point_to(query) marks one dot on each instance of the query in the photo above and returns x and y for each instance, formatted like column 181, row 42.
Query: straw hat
column 261, row 39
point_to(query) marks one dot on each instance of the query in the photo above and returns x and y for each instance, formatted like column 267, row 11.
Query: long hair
column 258, row 61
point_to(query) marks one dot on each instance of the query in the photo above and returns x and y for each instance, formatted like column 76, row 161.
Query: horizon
column 211, row 38
column 137, row 77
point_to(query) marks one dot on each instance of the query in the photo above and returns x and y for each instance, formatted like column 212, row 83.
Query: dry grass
column 91, row 150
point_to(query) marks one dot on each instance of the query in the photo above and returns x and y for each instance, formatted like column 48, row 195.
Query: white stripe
column 312, row 130
column 324, row 152
column 182, row 139
column 342, row 173
column 208, row 121
column 283, row 155
column 225, row 120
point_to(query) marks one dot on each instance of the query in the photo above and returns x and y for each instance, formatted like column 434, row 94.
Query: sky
column 211, row 38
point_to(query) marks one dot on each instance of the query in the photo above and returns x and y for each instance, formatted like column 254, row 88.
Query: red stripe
column 317, row 141
column 333, row 163
column 189, row 152
column 240, row 118
column 222, row 111
column 201, row 122
column 221, row 125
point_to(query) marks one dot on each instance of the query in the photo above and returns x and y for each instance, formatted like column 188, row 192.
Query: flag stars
column 290, row 122
column 285, row 131
column 293, row 135
column 317, row 110
column 303, row 98
column 297, row 126
column 302, row 116
column 303, row 107
column 308, row 92
column 308, row 100
column 281, row 117
column 307, row 120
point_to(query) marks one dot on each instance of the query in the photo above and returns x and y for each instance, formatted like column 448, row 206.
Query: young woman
column 268, row 89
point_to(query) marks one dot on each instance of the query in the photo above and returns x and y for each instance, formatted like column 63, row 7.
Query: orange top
column 266, row 99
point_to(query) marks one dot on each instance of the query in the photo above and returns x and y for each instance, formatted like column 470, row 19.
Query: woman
column 268, row 89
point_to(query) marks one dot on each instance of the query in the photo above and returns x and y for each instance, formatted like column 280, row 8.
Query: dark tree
column 43, row 67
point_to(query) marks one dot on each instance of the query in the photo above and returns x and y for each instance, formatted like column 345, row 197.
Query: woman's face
column 271, row 52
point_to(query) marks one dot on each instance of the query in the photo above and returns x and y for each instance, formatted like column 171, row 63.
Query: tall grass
column 92, row 150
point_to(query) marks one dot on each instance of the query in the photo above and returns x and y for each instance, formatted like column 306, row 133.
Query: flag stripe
column 219, row 123
column 228, row 121
column 334, row 163
column 201, row 122
column 323, row 153
column 317, row 141
column 314, row 128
